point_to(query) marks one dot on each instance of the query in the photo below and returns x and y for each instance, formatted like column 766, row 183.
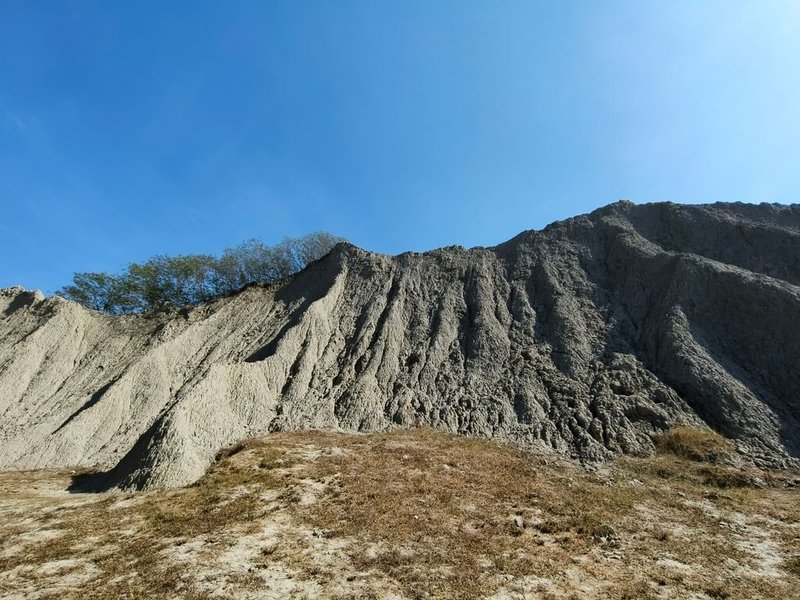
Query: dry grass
column 424, row 514
column 793, row 565
column 432, row 512
column 225, row 501
column 436, row 513
column 702, row 445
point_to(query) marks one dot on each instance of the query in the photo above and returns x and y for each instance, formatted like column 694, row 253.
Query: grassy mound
column 701, row 445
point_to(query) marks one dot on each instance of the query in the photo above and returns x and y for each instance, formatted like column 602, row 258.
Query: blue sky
column 129, row 129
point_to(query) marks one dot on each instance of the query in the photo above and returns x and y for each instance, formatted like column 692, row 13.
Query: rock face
column 586, row 337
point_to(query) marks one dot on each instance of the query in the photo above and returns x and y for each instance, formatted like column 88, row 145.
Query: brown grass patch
column 435, row 514
column 702, row 445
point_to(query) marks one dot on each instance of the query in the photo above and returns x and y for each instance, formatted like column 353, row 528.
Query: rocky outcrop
column 586, row 338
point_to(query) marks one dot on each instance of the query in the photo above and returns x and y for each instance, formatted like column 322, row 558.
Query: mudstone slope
column 586, row 338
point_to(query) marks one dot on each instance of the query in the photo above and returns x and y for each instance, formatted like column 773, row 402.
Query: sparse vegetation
column 416, row 513
column 193, row 279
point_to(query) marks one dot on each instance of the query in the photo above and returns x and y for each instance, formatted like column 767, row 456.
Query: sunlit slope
column 585, row 338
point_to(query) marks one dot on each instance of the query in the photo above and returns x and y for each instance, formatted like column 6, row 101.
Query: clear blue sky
column 129, row 129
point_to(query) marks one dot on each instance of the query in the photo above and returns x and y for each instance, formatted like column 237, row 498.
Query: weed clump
column 700, row 445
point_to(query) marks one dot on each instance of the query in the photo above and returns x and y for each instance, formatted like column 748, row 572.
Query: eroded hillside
column 586, row 338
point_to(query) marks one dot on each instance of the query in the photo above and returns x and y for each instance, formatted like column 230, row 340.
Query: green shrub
column 189, row 280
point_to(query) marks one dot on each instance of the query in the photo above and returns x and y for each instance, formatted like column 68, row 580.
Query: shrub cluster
column 193, row 279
